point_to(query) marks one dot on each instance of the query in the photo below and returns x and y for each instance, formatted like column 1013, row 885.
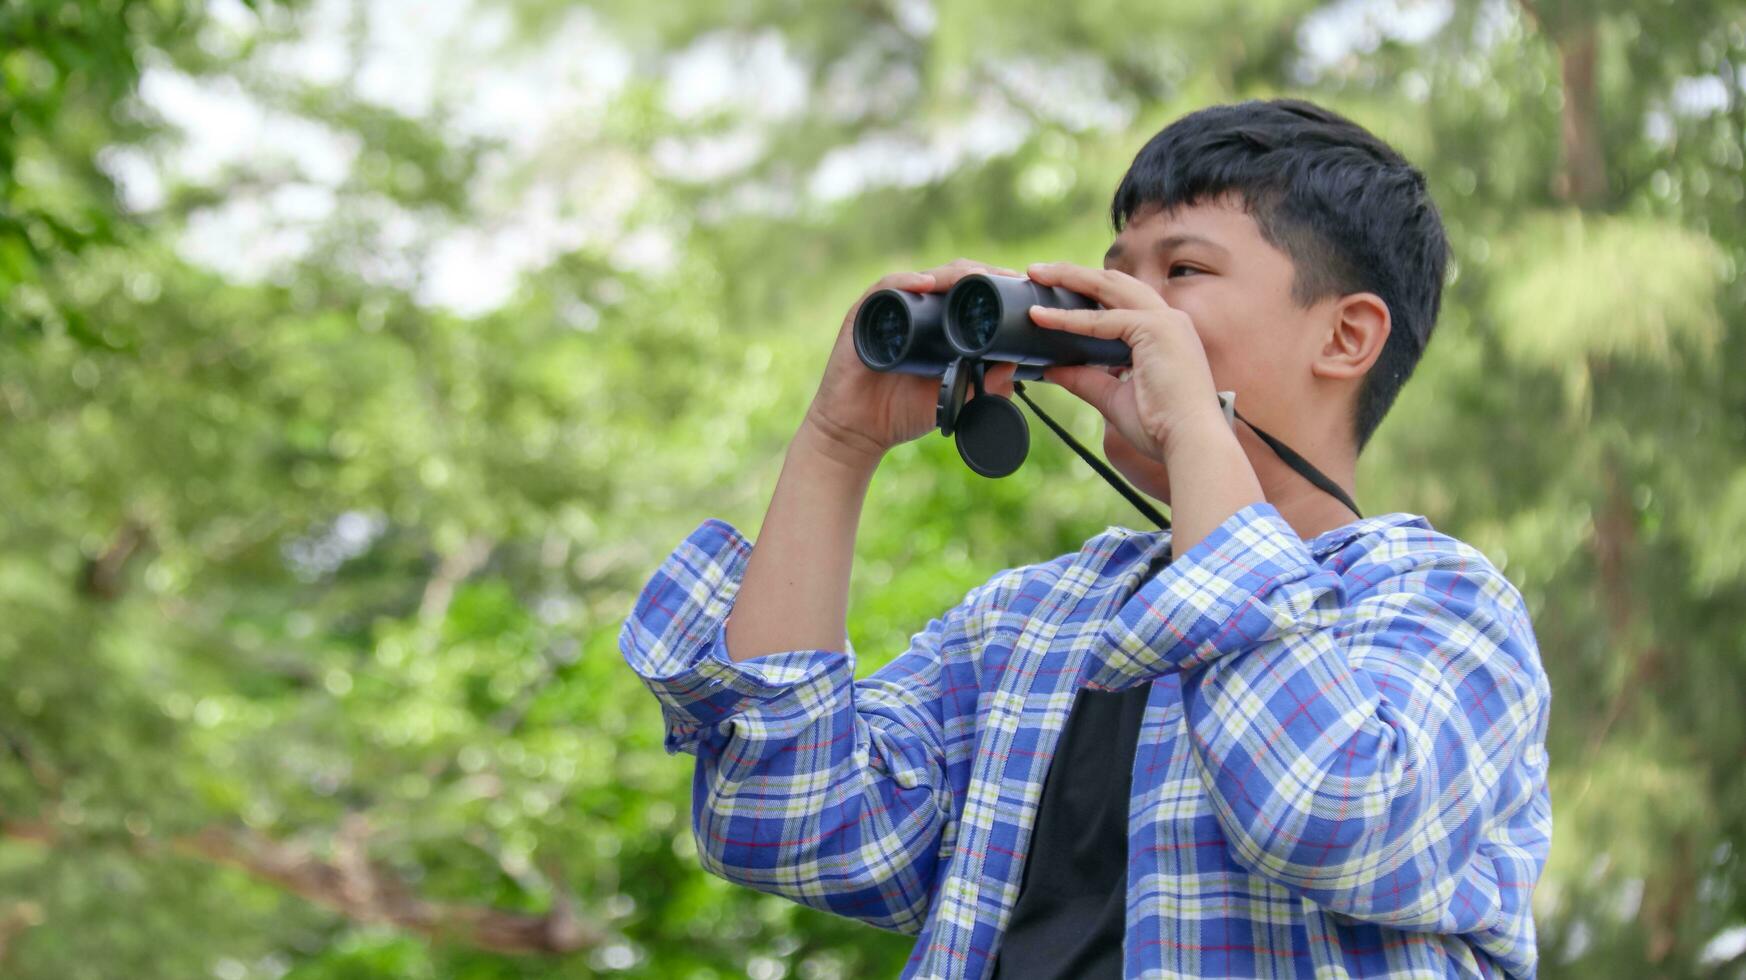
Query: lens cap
column 992, row 436
column 953, row 386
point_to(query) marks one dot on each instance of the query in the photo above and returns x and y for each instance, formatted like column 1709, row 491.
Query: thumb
column 1093, row 385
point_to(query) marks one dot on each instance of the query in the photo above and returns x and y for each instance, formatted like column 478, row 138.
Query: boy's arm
column 809, row 784
column 795, row 591
column 1380, row 751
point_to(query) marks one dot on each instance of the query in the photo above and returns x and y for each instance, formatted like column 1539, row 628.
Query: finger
column 945, row 280
column 899, row 278
column 998, row 380
column 958, row 267
column 1107, row 324
column 973, row 265
column 915, row 282
column 1109, row 287
column 1090, row 384
column 948, row 276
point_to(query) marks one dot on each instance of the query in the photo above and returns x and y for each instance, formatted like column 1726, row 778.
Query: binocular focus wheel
column 992, row 436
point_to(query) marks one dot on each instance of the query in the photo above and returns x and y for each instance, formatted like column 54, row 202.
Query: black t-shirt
column 1070, row 918
column 1071, row 915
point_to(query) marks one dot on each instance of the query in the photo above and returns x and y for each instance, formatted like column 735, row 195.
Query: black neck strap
column 1286, row 453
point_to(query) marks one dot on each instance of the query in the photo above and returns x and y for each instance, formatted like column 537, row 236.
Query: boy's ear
column 1357, row 326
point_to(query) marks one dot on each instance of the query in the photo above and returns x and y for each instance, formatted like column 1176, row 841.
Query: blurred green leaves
column 311, row 562
column 1579, row 290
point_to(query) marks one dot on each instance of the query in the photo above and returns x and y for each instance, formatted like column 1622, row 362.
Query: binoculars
column 983, row 319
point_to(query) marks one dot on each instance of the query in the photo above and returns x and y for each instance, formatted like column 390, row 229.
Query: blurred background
column 360, row 361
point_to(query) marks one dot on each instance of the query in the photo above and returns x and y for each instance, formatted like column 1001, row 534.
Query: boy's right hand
column 858, row 413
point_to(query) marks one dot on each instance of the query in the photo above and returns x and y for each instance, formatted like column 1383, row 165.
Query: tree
column 312, row 587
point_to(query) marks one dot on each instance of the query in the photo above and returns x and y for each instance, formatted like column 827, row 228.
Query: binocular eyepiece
column 984, row 318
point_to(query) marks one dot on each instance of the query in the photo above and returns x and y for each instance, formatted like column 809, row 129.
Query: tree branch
column 17, row 918
column 101, row 576
column 1615, row 548
column 362, row 890
column 450, row 573
column 1532, row 12
column 1573, row 33
column 1584, row 180
column 46, row 779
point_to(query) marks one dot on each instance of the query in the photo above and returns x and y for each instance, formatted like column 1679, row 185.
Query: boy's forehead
column 1220, row 224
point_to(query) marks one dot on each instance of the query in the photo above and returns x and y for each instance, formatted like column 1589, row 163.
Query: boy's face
column 1210, row 261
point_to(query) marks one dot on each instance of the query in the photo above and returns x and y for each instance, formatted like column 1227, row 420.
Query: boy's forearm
column 1210, row 479
column 794, row 594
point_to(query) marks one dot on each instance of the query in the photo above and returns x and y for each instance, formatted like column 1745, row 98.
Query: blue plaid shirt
column 1341, row 770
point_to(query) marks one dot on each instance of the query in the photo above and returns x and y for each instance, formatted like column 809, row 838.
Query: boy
column 1278, row 740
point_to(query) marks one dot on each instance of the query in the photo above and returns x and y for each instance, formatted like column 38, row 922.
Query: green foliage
column 311, row 564
column 1574, row 274
column 65, row 70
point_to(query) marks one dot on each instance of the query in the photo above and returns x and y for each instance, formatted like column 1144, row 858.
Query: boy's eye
column 1180, row 269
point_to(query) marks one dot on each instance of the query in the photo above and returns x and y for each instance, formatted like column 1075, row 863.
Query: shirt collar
column 1320, row 546
column 1328, row 542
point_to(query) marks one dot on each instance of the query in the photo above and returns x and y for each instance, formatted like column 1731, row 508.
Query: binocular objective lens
column 976, row 314
column 887, row 326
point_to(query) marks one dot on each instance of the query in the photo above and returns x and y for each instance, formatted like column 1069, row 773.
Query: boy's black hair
column 1353, row 215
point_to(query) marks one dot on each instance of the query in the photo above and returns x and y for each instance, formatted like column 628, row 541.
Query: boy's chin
column 1147, row 475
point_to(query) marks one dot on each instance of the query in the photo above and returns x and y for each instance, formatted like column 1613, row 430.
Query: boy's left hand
column 1170, row 390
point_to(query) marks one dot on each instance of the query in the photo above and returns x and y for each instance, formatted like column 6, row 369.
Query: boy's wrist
column 854, row 457
column 1196, row 434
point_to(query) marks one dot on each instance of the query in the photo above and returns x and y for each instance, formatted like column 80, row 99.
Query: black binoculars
column 983, row 319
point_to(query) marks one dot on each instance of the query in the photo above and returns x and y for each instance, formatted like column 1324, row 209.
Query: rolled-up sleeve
column 808, row 784
column 674, row 639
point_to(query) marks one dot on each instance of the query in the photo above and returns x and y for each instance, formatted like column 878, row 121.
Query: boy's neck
column 1309, row 510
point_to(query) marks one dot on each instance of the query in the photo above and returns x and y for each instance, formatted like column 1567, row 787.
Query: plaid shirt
column 1341, row 769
